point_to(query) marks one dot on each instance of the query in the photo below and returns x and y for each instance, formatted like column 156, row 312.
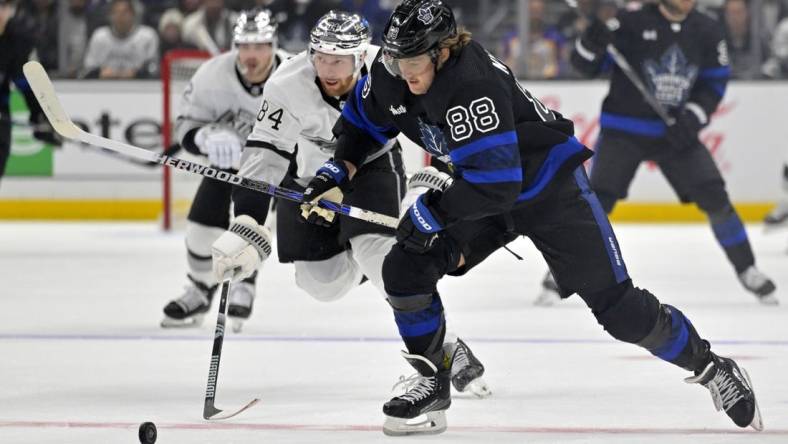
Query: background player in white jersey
column 301, row 103
column 217, row 114
column 778, row 218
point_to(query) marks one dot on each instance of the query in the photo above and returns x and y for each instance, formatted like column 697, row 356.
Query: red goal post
column 177, row 68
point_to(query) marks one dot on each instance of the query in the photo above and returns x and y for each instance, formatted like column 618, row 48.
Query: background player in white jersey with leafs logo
column 217, row 114
column 301, row 103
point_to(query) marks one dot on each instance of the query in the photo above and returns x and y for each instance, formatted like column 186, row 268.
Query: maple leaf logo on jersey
column 426, row 16
column 434, row 141
column 672, row 78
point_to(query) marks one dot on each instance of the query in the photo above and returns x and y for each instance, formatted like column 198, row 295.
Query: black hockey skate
column 466, row 370
column 422, row 408
column 731, row 391
column 189, row 309
column 759, row 284
column 240, row 304
column 549, row 294
column 777, row 219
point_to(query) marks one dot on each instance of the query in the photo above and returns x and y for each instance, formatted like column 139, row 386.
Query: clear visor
column 333, row 66
column 409, row 66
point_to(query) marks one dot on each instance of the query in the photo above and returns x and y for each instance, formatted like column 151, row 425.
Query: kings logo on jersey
column 671, row 78
column 434, row 141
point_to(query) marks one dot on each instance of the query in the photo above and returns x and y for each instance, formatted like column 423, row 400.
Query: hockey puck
column 147, row 433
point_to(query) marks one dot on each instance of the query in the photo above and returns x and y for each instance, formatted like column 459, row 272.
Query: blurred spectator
column 72, row 37
column 44, row 12
column 544, row 43
column 777, row 66
column 170, row 25
column 771, row 12
column 296, row 18
column 210, row 28
column 746, row 49
column 124, row 49
column 377, row 13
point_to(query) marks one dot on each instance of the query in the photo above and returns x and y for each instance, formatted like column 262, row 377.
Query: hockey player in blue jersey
column 517, row 170
column 681, row 56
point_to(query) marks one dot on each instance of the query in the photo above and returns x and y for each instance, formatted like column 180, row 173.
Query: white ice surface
column 83, row 360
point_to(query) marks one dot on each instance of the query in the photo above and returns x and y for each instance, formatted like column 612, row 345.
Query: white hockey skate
column 466, row 370
column 549, row 295
column 189, row 309
column 777, row 219
column 759, row 284
column 422, row 408
column 240, row 304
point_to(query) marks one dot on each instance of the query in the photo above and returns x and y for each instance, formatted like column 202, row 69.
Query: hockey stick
column 626, row 68
column 45, row 93
column 210, row 412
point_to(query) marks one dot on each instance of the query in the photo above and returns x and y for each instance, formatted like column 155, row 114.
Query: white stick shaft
column 45, row 93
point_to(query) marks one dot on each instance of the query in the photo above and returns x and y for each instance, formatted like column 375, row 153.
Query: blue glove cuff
column 336, row 170
column 422, row 217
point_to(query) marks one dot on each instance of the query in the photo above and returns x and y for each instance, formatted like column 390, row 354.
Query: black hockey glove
column 43, row 131
column 683, row 134
column 597, row 36
column 325, row 185
column 420, row 226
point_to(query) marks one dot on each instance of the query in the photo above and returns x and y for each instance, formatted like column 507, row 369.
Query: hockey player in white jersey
column 217, row 114
column 301, row 103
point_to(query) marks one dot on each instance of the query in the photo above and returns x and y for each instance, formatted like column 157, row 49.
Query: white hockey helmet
column 341, row 33
column 255, row 26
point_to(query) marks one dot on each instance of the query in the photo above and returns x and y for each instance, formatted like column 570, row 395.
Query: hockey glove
column 43, row 131
column 241, row 249
column 684, row 133
column 597, row 36
column 420, row 226
column 221, row 144
column 325, row 185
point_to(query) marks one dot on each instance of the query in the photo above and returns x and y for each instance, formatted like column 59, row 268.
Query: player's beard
column 337, row 87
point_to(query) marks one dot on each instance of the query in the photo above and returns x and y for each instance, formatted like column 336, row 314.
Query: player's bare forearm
column 351, row 169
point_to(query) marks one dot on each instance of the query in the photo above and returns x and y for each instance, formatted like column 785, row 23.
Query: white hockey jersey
column 294, row 112
column 216, row 94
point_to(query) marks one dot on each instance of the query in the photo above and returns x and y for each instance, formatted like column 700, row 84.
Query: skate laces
column 415, row 386
column 192, row 298
column 242, row 294
column 726, row 388
column 753, row 278
column 460, row 360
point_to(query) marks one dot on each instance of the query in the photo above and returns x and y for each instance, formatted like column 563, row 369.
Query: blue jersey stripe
column 634, row 125
column 493, row 176
column 354, row 112
column 679, row 335
column 508, row 138
column 558, row 155
column 608, row 236
column 422, row 322
column 730, row 232
column 722, row 72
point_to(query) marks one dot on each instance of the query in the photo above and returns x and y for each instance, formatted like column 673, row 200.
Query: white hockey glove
column 241, row 249
column 429, row 178
column 222, row 145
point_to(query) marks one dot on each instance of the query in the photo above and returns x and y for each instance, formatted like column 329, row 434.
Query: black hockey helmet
column 417, row 27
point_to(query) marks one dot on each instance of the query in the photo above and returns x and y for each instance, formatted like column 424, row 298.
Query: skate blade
column 478, row 388
column 547, row 298
column 190, row 322
column 427, row 424
column 757, row 420
column 769, row 299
